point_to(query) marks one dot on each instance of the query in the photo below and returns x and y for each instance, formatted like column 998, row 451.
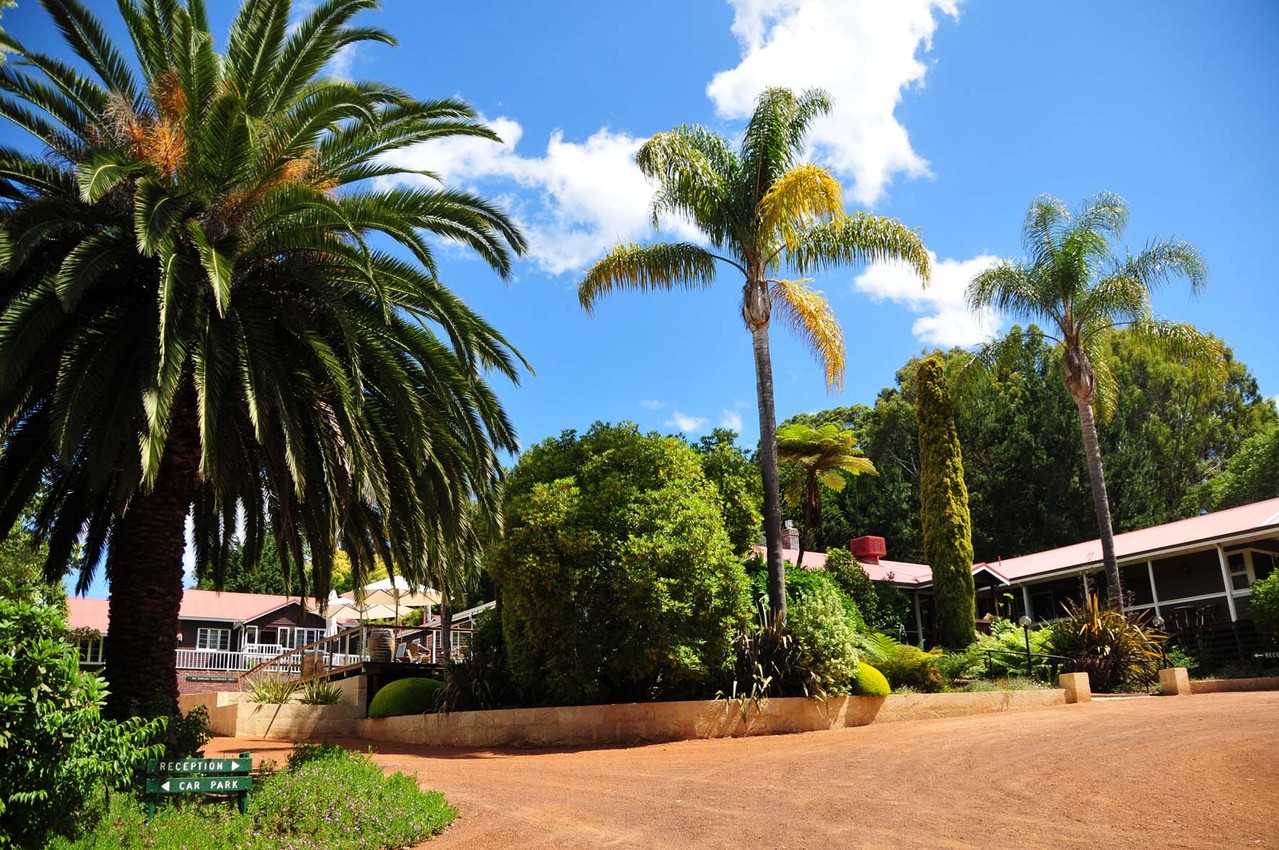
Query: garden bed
column 600, row 725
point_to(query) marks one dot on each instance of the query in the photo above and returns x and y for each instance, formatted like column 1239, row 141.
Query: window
column 213, row 639
column 305, row 636
column 250, row 634
column 1249, row 566
column 90, row 650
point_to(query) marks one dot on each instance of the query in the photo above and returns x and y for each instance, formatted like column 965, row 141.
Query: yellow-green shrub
column 869, row 682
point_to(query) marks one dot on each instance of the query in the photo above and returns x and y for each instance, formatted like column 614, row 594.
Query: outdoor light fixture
column 1158, row 622
column 1025, row 628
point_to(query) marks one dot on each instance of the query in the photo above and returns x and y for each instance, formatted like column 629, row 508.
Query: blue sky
column 949, row 116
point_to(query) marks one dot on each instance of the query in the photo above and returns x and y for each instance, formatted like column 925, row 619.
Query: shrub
column 57, row 753
column 320, row 692
column 905, row 666
column 1116, row 652
column 1007, row 640
column 768, row 662
column 617, row 577
column 869, row 682
column 482, row 680
column 328, row 798
column 824, row 632
column 1265, row 609
column 853, row 581
column 272, row 690
column 405, row 696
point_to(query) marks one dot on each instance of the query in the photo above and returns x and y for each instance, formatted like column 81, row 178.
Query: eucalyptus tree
column 824, row 454
column 761, row 209
column 1075, row 284
column 198, row 323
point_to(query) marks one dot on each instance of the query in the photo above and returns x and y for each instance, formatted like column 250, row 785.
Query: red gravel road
column 1174, row 772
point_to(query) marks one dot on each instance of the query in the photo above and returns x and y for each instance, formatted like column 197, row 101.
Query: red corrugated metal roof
column 898, row 572
column 196, row 605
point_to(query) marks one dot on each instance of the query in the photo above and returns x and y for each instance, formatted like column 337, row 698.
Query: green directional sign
column 226, row 765
column 193, row 784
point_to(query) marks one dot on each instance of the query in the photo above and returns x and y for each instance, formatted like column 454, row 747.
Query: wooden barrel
column 381, row 645
column 312, row 662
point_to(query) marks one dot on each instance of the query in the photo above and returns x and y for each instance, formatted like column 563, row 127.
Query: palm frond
column 808, row 313
column 643, row 268
column 803, row 196
column 859, row 238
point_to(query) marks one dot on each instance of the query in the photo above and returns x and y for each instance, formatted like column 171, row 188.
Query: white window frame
column 216, row 639
column 250, row 635
column 1248, row 569
column 91, row 650
column 303, row 636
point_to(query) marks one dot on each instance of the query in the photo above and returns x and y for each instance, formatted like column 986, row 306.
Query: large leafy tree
column 761, row 209
column 943, row 509
column 199, row 322
column 1073, row 280
column 823, row 455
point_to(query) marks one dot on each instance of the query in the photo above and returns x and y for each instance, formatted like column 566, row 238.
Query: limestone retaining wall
column 1214, row 686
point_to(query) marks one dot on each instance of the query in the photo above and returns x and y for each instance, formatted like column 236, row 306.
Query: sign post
column 200, row 776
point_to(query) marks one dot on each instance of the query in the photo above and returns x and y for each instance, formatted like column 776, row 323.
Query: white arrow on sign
column 235, row 765
column 164, row 785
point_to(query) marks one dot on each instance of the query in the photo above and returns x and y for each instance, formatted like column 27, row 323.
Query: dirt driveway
column 1195, row 772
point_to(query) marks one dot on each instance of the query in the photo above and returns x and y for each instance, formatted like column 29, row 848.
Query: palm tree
column 1073, row 281
column 760, row 209
column 196, row 323
column 823, row 453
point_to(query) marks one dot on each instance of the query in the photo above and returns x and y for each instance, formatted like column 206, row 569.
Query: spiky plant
column 197, row 323
column 1074, row 283
column 761, row 210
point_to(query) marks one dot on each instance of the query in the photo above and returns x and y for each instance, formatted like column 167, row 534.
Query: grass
column 327, row 798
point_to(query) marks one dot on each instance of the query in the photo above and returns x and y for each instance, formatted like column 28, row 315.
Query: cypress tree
column 943, row 497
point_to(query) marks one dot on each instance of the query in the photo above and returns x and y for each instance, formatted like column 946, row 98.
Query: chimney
column 790, row 536
column 868, row 550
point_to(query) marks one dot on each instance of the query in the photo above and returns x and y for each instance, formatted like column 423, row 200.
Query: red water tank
column 868, row 549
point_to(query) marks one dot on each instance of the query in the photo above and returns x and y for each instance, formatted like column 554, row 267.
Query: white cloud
column 592, row 193
column 687, row 424
column 343, row 62
column 652, row 404
column 946, row 319
column 863, row 52
column 731, row 419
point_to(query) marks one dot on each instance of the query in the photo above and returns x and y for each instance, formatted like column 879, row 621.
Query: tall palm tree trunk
column 1101, row 502
column 144, row 570
column 768, row 467
column 446, row 624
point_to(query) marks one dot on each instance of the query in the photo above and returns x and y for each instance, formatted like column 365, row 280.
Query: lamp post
column 1025, row 628
column 1158, row 623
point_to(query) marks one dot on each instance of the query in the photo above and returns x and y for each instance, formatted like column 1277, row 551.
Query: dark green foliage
column 617, row 579
column 943, row 499
column 734, row 473
column 187, row 734
column 58, row 756
column 328, row 797
column 869, row 682
column 1251, row 475
column 482, row 680
column 405, row 696
column 268, row 576
column 856, row 585
column 1265, row 609
column 1024, row 466
column 768, row 661
column 1117, row 651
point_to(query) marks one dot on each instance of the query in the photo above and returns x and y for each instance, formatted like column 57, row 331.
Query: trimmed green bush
column 406, row 696
column 825, row 633
column 617, row 576
column 869, row 682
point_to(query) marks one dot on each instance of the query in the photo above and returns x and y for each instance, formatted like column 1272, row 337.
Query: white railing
column 211, row 659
